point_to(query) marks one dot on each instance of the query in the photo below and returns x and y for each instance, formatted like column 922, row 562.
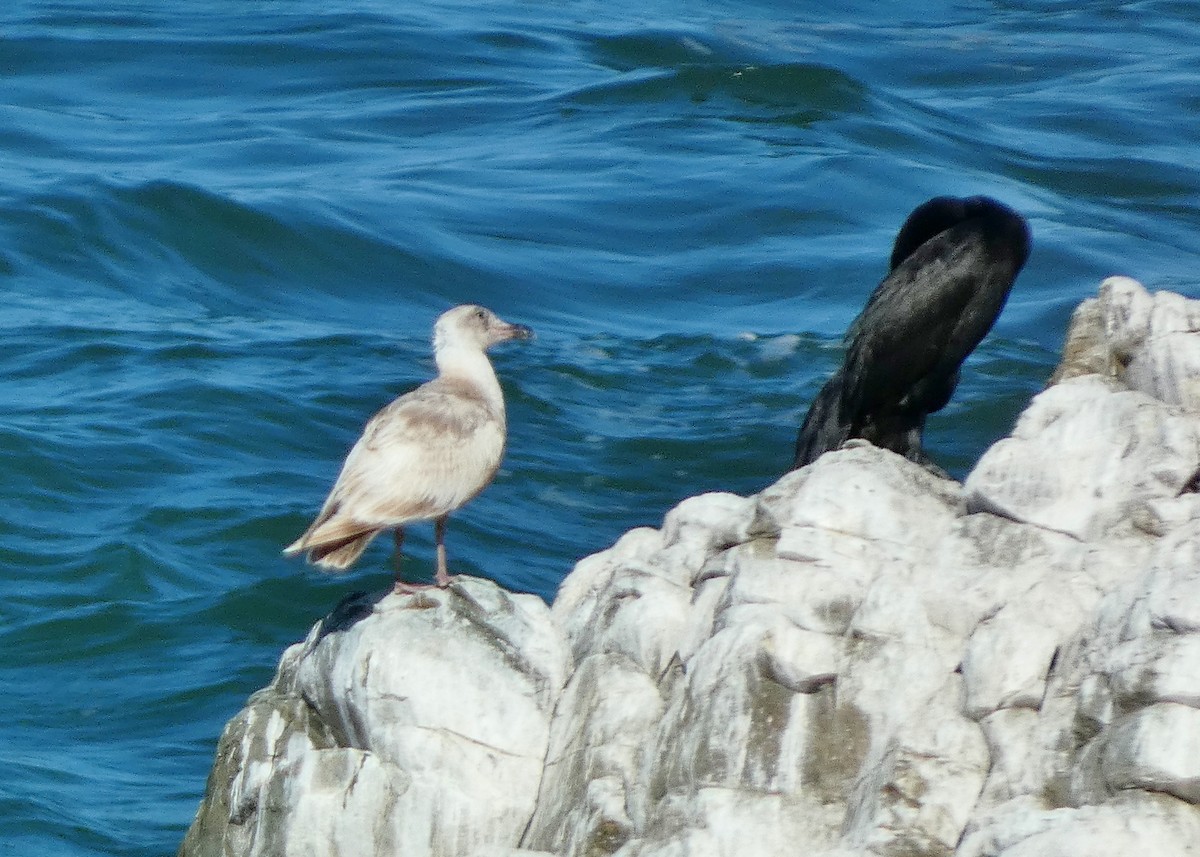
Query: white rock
column 810, row 595
column 1172, row 598
column 1008, row 658
column 1017, row 765
column 1138, row 823
column 1145, row 342
column 862, row 659
column 415, row 724
column 1157, row 339
column 916, row 792
column 1155, row 748
column 1159, row 668
column 605, row 716
column 707, row 523
column 872, row 509
column 1082, row 457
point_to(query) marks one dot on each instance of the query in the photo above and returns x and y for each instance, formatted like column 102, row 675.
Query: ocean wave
column 778, row 92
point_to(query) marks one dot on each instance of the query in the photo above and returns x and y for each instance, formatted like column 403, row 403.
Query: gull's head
column 474, row 327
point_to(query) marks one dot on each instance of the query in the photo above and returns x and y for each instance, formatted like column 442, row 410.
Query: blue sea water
column 226, row 227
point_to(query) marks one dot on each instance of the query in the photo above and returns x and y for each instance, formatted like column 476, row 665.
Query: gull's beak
column 505, row 331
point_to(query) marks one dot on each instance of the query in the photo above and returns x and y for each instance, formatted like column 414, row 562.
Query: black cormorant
column 952, row 266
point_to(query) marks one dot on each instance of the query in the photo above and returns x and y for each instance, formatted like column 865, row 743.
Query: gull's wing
column 422, row 456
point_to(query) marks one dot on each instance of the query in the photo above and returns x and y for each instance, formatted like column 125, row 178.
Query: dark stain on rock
column 838, row 741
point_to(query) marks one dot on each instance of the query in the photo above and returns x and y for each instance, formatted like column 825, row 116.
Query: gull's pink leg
column 442, row 578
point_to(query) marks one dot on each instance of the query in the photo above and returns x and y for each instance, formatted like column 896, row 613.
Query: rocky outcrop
column 408, row 725
column 863, row 658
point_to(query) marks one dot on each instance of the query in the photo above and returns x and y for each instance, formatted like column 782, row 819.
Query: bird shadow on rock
column 350, row 610
column 360, row 604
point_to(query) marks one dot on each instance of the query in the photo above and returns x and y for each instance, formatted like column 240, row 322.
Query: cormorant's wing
column 924, row 319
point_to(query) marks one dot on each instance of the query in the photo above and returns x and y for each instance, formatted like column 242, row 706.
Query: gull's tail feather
column 339, row 556
column 333, row 544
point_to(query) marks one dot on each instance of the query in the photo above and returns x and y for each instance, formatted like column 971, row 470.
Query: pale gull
column 425, row 454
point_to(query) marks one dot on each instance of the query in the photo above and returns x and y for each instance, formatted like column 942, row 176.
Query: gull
column 422, row 456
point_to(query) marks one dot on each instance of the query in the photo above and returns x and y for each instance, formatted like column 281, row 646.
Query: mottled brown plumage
column 425, row 454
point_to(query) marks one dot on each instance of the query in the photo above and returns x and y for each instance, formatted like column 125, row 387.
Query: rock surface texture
column 862, row 659
column 413, row 725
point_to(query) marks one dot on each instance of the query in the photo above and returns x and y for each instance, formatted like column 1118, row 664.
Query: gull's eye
column 482, row 315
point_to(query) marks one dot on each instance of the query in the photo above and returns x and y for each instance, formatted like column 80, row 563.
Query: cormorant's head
column 930, row 219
